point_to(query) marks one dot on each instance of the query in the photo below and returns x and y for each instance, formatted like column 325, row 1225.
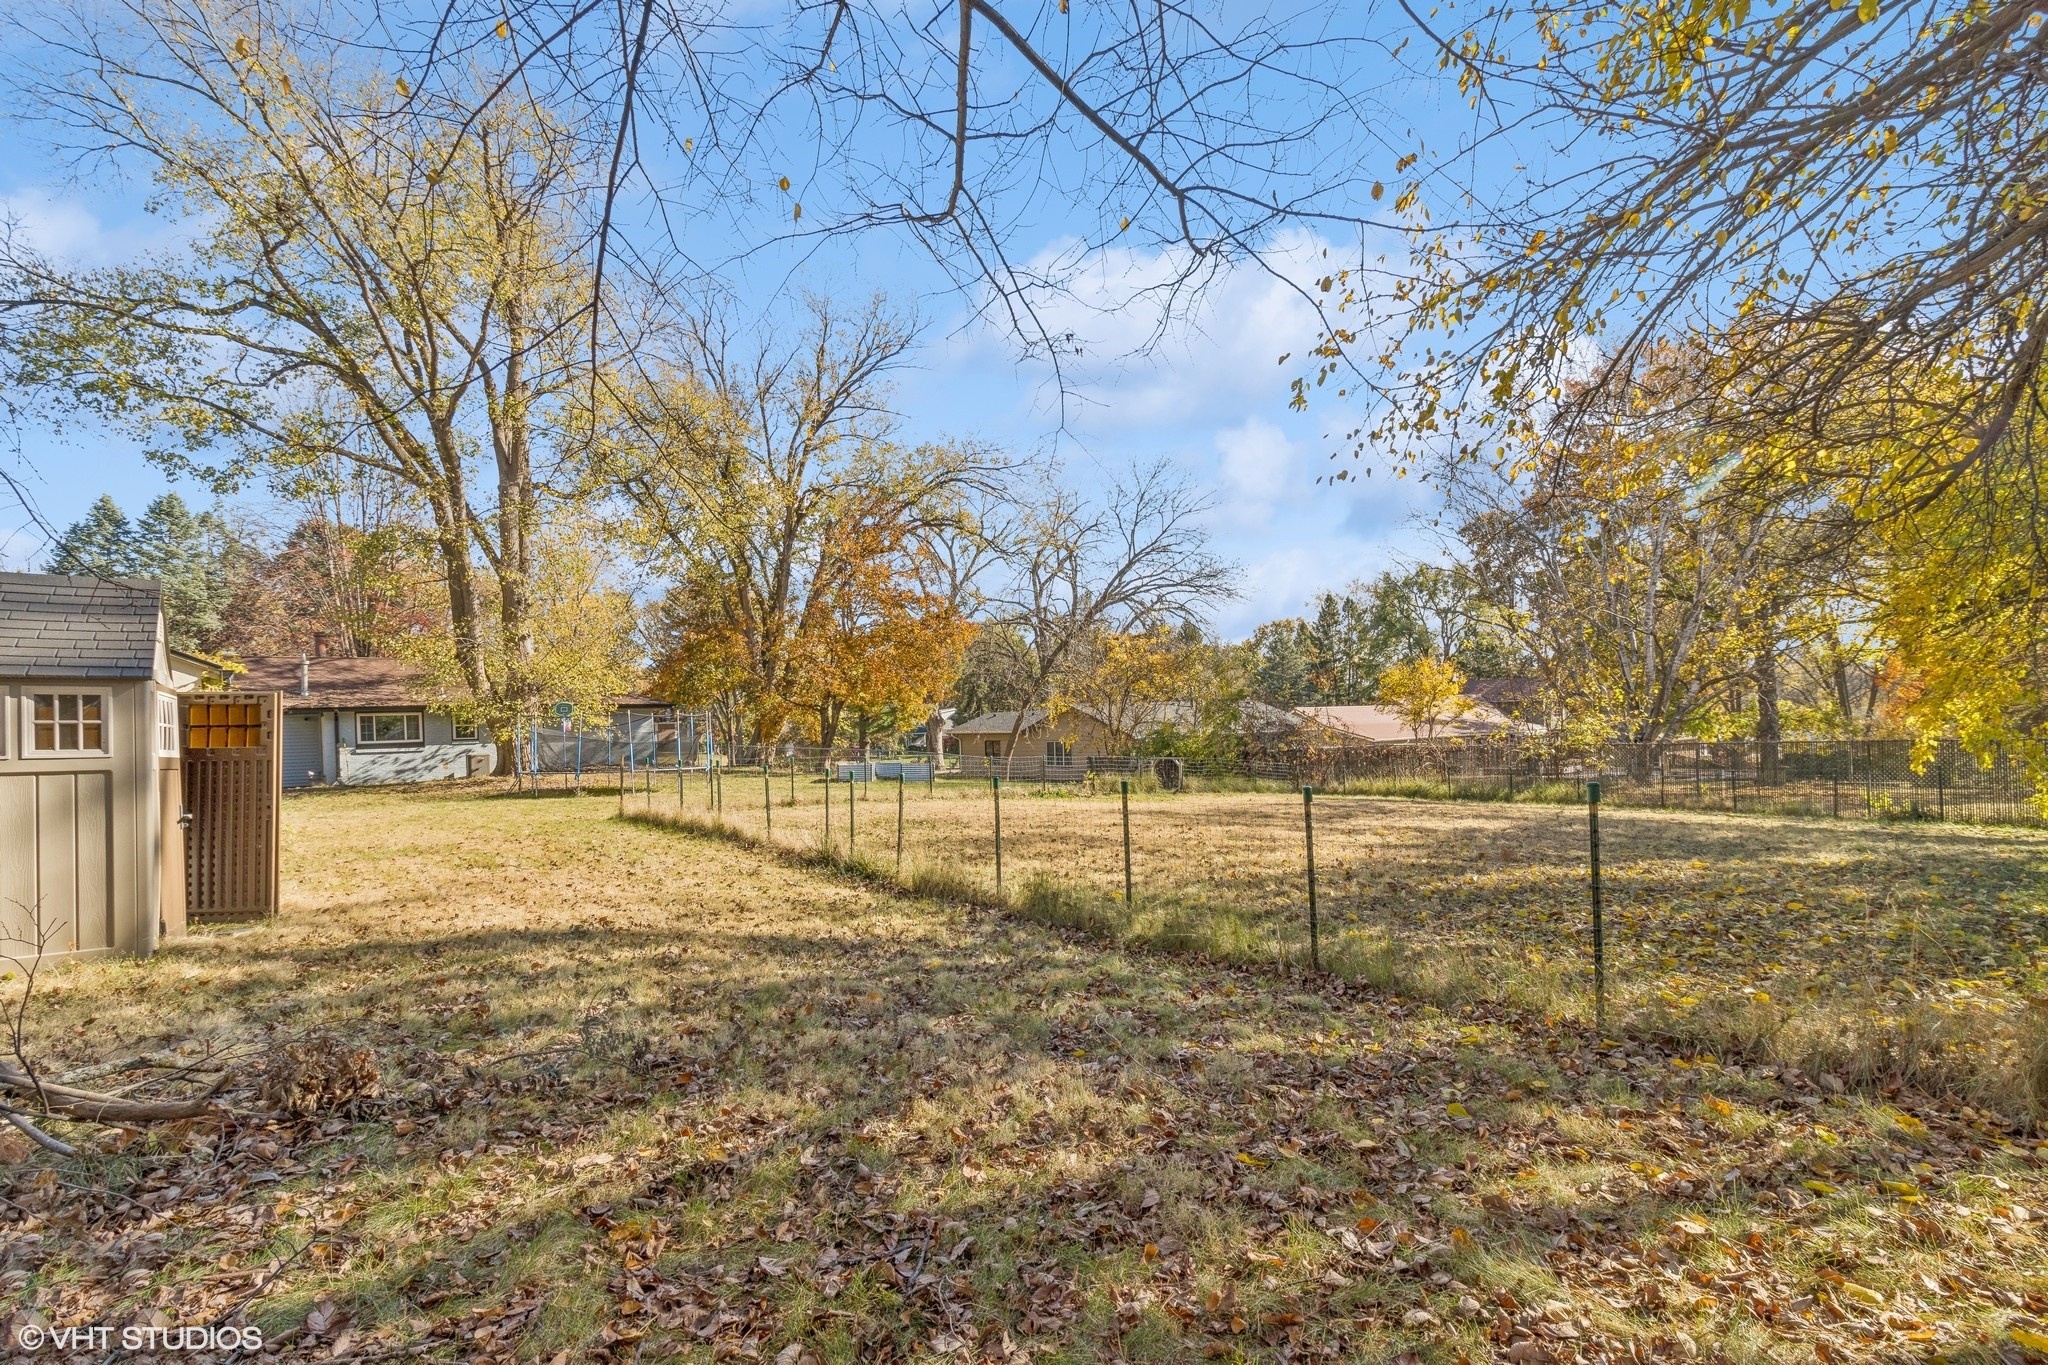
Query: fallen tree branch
column 37, row 1135
column 213, row 1062
column 66, row 1101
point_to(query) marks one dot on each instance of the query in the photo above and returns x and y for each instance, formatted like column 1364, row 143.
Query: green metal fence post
column 995, row 786
column 900, row 782
column 1599, row 925
column 767, row 799
column 851, row 778
column 1308, row 830
column 1124, row 792
column 828, row 812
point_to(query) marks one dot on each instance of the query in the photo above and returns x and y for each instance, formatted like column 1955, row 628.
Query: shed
column 91, row 852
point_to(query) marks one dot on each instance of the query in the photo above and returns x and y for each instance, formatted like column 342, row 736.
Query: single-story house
column 1383, row 724
column 92, row 853
column 1076, row 734
column 355, row 722
column 1079, row 733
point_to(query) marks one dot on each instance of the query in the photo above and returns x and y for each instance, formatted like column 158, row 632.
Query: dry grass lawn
column 651, row 1095
column 1882, row 954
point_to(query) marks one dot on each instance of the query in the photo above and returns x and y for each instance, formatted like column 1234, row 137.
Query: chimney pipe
column 305, row 677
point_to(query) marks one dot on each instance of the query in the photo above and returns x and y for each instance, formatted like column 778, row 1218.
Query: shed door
column 232, row 764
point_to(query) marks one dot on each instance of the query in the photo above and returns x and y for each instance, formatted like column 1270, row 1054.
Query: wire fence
column 1886, row 953
column 1851, row 778
column 1874, row 779
column 1839, row 779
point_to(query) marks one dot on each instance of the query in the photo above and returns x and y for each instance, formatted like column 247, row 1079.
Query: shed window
column 387, row 729
column 1059, row 751
column 68, row 723
column 992, row 748
column 166, row 725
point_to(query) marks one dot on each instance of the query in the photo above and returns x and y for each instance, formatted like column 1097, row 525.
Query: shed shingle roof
column 57, row 626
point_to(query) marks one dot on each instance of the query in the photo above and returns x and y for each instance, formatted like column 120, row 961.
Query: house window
column 992, row 748
column 387, row 729
column 166, row 725
column 67, row 723
column 1059, row 751
column 467, row 734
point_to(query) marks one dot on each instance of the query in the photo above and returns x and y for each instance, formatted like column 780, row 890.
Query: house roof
column 999, row 723
column 1382, row 724
column 354, row 684
column 1256, row 715
column 1509, row 696
column 1260, row 715
column 342, row 684
column 58, row 626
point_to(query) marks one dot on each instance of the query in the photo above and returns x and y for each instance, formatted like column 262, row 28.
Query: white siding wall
column 304, row 745
column 439, row 757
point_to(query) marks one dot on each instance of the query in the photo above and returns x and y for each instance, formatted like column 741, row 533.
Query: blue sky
column 1211, row 395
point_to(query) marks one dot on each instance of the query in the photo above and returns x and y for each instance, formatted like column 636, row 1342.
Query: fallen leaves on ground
column 646, row 1096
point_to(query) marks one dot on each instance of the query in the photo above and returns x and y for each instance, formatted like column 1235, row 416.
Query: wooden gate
column 233, row 763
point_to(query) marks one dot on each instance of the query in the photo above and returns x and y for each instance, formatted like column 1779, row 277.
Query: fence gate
column 231, row 746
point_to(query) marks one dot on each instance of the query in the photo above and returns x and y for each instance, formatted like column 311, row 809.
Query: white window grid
column 58, row 724
column 166, row 725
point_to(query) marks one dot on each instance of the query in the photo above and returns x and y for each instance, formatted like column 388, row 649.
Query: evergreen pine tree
column 101, row 544
column 190, row 556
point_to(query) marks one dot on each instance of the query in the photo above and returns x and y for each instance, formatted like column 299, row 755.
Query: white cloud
column 1258, row 467
column 1159, row 344
column 67, row 229
column 1207, row 390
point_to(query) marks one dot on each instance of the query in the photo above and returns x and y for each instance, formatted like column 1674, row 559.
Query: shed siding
column 64, row 820
column 82, row 834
